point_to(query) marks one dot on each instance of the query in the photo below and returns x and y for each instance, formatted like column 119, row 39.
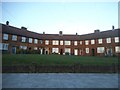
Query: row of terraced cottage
column 20, row 40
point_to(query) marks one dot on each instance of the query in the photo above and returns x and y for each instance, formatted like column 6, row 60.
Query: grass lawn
column 26, row 59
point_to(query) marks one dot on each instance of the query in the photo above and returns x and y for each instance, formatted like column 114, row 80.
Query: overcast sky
column 69, row 17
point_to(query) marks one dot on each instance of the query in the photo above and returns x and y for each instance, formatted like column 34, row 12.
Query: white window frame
column 35, row 48
column 46, row 42
column 80, row 42
column 41, row 41
column 100, row 41
column 23, row 47
column 5, row 36
column 86, row 42
column 14, row 37
column 117, row 49
column 5, row 46
column 100, row 49
column 23, row 39
column 108, row 40
column 30, row 40
column 55, row 50
column 92, row 41
column 75, row 43
column 116, row 39
column 55, row 42
column 87, row 50
column 67, row 50
column 61, row 42
column 67, row 42
column 35, row 41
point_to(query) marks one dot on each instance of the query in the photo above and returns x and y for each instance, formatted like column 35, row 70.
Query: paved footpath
column 61, row 80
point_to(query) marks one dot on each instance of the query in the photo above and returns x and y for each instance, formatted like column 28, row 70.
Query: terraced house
column 20, row 40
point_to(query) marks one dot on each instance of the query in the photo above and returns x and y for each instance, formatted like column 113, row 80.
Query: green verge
column 26, row 59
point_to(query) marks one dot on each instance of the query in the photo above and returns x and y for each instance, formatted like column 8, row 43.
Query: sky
column 69, row 17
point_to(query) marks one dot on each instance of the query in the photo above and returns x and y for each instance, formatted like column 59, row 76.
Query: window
column 99, row 41
column 86, row 42
column 67, row 43
column 14, row 37
column 30, row 40
column 116, row 39
column 35, row 48
column 0, row 46
column 55, row 42
column 4, row 46
column 54, row 50
column 67, row 50
column 23, row 47
column 47, row 42
column 108, row 40
column 61, row 42
column 80, row 42
column 100, row 49
column 87, row 50
column 75, row 43
column 23, row 39
column 117, row 49
column 92, row 41
column 35, row 41
column 41, row 41
column 5, row 36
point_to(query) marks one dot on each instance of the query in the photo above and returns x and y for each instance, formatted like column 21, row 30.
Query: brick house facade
column 20, row 40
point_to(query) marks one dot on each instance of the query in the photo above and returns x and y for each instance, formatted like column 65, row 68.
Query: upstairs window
column 116, row 39
column 67, row 43
column 80, row 42
column 41, row 41
column 55, row 42
column 14, row 37
column 75, row 43
column 99, row 41
column 86, row 42
column 23, row 39
column 35, row 41
column 46, row 42
column 92, row 41
column 30, row 40
column 5, row 36
column 108, row 40
column 61, row 42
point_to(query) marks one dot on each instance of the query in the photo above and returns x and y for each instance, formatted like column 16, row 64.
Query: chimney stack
column 60, row 33
column 43, row 32
column 7, row 22
column 113, row 27
column 96, row 31
column 23, row 28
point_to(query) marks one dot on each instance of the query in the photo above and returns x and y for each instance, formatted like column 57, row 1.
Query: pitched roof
column 26, row 33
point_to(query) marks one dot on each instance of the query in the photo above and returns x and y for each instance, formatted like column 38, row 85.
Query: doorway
column 14, row 50
column 61, row 51
column 93, row 52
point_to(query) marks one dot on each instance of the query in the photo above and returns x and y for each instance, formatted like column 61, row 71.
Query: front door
column 61, row 51
column 14, row 50
column 93, row 52
column 75, row 52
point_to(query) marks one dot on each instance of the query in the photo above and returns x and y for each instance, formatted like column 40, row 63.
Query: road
column 61, row 80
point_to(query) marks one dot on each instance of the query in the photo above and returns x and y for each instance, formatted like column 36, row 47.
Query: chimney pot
column 7, row 22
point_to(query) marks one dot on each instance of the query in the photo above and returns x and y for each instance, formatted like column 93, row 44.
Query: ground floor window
column 54, row 50
column 67, row 51
column 3, row 46
column 117, row 49
column 100, row 49
column 87, row 50
column 23, row 47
